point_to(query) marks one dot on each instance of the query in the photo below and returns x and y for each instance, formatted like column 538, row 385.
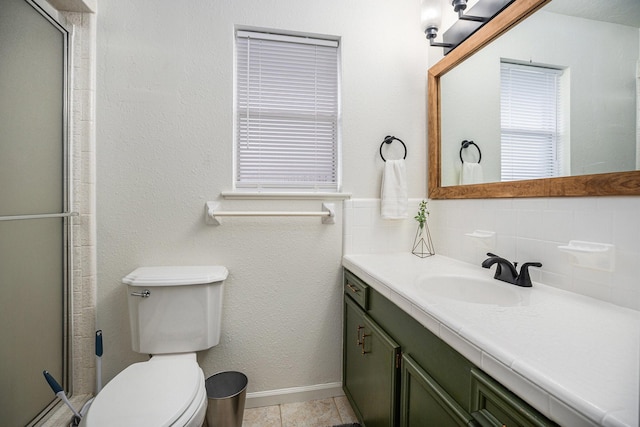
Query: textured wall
column 164, row 147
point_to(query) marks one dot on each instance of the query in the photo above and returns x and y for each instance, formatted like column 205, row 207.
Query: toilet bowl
column 173, row 312
column 167, row 390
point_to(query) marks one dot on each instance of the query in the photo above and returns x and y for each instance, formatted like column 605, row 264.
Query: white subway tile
column 535, row 203
column 506, row 222
column 601, row 277
column 529, row 250
column 485, row 219
column 560, row 281
column 572, row 203
column 529, row 223
column 526, row 230
column 626, row 229
column 506, row 247
column 362, row 216
column 553, row 260
column 593, row 226
column 365, row 203
column 592, row 289
column 497, row 204
column 556, row 225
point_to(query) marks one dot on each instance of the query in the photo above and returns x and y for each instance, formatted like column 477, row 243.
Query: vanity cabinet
column 425, row 403
column 398, row 373
column 371, row 360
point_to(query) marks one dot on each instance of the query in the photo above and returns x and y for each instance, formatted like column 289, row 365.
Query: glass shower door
column 33, row 205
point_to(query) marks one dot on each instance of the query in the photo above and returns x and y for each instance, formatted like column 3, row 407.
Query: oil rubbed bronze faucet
column 506, row 271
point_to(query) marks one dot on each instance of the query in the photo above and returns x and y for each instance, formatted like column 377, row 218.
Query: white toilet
column 173, row 312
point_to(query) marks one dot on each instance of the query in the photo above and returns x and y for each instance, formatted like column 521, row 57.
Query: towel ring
column 388, row 140
column 466, row 144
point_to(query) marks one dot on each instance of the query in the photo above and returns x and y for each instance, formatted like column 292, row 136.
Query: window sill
column 245, row 195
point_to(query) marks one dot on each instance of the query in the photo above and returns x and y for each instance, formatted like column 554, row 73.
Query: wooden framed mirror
column 597, row 184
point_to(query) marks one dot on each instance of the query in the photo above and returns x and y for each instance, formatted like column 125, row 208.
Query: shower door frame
column 52, row 16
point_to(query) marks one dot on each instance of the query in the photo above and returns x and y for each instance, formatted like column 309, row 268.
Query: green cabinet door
column 424, row 403
column 493, row 405
column 370, row 371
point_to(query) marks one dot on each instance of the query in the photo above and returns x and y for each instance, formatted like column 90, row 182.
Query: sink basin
column 476, row 290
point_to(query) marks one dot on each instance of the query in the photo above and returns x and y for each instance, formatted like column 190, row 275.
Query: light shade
column 430, row 13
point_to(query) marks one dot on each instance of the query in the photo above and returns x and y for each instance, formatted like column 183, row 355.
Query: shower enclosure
column 34, row 209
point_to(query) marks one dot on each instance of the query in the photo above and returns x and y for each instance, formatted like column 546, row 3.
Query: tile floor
column 314, row 413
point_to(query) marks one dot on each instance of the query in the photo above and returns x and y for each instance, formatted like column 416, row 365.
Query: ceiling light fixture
column 459, row 6
column 431, row 16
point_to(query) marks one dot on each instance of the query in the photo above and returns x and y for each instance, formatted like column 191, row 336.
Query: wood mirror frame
column 606, row 184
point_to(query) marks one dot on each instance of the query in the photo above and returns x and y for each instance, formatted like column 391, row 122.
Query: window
column 287, row 97
column 531, row 122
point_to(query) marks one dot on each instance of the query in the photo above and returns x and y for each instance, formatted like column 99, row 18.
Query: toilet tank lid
column 176, row 275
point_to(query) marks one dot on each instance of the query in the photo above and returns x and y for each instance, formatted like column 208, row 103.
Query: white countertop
column 574, row 358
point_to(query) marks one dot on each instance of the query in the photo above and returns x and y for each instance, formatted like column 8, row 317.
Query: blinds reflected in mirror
column 532, row 125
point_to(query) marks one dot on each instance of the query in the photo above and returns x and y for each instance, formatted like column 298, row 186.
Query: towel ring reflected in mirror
column 388, row 140
column 466, row 144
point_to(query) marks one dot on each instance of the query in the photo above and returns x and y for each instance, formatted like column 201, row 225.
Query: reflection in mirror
column 555, row 96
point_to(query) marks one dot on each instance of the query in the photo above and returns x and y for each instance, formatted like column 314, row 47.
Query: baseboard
column 293, row 394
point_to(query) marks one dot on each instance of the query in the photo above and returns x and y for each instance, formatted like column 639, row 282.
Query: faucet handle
column 490, row 254
column 531, row 264
column 524, row 279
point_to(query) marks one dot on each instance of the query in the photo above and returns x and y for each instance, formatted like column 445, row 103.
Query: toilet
column 173, row 312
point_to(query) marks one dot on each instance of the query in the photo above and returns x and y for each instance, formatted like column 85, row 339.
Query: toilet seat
column 167, row 390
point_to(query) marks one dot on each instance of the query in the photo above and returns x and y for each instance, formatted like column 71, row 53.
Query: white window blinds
column 531, row 122
column 287, row 112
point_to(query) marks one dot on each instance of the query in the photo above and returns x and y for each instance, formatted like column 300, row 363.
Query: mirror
column 593, row 157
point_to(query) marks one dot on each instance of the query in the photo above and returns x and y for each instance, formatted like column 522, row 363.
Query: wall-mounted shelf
column 599, row 256
column 212, row 213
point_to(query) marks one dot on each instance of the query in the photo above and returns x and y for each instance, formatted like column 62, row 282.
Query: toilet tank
column 175, row 309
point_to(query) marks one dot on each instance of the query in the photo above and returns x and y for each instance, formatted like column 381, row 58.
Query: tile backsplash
column 526, row 230
column 365, row 231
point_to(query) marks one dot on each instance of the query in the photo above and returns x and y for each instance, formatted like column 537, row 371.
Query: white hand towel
column 471, row 173
column 393, row 197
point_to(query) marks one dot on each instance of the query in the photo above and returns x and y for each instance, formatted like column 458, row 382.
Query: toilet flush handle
column 144, row 294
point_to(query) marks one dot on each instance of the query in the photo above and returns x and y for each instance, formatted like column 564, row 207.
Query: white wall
column 164, row 147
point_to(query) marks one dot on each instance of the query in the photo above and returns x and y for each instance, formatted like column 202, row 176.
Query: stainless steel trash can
column 226, row 394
